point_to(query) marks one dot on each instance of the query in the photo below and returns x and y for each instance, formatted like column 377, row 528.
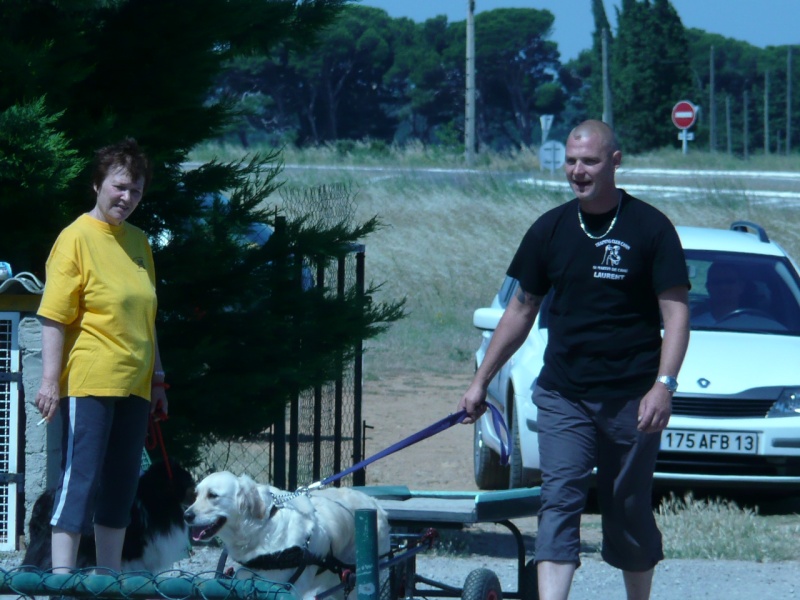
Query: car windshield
column 743, row 292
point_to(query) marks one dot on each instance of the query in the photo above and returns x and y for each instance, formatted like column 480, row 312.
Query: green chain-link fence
column 172, row 585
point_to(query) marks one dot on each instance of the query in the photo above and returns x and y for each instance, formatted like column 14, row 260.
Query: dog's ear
column 249, row 499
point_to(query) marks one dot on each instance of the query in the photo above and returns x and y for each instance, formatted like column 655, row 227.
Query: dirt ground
column 398, row 407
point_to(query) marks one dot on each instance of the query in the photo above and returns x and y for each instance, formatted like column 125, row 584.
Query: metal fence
column 322, row 433
column 10, row 400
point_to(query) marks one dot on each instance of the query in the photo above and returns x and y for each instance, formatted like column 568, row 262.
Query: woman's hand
column 47, row 399
column 52, row 348
column 159, row 407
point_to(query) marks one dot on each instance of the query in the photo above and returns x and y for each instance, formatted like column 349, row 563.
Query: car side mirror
column 486, row 319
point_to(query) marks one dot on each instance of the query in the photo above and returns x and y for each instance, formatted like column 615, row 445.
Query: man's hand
column 508, row 336
column 655, row 409
column 474, row 401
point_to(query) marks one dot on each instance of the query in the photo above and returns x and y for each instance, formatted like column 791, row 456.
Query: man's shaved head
column 593, row 127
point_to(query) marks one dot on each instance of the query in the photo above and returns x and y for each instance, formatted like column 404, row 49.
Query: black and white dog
column 156, row 538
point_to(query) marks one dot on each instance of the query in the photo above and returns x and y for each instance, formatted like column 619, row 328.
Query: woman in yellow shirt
column 101, row 365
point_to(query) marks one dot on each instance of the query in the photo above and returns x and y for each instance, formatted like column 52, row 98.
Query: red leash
column 154, row 438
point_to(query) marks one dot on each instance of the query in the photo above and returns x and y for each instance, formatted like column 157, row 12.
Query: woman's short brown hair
column 126, row 154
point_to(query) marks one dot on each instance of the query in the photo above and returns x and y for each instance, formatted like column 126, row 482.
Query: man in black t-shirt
column 616, row 268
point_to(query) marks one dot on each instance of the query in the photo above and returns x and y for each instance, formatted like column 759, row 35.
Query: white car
column 736, row 415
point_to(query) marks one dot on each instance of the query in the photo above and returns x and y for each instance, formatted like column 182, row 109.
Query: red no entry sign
column 683, row 114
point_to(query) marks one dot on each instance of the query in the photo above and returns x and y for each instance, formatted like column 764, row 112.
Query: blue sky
column 759, row 22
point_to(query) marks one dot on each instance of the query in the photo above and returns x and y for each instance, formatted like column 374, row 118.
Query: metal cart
column 416, row 510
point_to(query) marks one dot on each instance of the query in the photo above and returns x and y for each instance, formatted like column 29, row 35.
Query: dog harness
column 298, row 558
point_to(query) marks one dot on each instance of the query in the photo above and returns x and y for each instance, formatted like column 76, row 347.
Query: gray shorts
column 574, row 437
column 101, row 454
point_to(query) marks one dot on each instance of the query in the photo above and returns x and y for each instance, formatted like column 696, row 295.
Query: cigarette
column 42, row 422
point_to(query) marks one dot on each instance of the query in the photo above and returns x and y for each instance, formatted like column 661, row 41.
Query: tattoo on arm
column 525, row 298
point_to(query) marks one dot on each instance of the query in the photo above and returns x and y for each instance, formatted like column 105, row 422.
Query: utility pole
column 469, row 119
column 745, row 133
column 766, row 113
column 712, row 104
column 728, row 135
column 788, row 100
column 608, row 113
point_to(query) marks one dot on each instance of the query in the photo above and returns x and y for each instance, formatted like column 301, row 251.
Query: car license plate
column 712, row 442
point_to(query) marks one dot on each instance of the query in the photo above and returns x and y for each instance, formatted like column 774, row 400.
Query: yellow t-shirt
column 101, row 286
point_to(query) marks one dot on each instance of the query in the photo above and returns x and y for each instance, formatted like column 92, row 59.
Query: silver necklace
column 610, row 227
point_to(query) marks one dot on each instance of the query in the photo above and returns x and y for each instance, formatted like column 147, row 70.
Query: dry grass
column 449, row 238
column 415, row 154
column 719, row 529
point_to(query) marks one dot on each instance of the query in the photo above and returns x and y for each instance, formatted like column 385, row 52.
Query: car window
column 507, row 289
column 743, row 292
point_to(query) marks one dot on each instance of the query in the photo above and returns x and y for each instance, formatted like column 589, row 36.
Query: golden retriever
column 273, row 533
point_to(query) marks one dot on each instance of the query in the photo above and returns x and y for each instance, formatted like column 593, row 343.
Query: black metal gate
column 322, row 434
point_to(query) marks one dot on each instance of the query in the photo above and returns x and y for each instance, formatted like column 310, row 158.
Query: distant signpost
column 551, row 155
column 684, row 114
column 546, row 121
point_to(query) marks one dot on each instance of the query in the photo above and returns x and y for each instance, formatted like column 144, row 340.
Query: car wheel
column 489, row 473
column 520, row 477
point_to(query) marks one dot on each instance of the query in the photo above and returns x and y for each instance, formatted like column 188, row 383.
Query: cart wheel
column 482, row 584
column 530, row 582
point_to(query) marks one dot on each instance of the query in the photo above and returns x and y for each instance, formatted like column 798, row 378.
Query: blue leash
column 438, row 427
column 430, row 430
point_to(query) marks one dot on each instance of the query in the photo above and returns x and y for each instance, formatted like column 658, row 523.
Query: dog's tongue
column 202, row 533
column 199, row 533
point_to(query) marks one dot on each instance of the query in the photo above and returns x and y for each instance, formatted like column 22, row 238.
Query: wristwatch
column 670, row 382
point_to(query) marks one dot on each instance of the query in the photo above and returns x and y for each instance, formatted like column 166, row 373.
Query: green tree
column 651, row 72
column 773, row 60
column 367, row 75
column 329, row 90
column 740, row 67
column 427, row 80
column 239, row 333
column 391, row 79
column 513, row 61
column 515, row 66
column 36, row 166
column 259, row 115
column 736, row 66
column 593, row 61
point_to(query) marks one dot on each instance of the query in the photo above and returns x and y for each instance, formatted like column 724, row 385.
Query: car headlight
column 788, row 405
